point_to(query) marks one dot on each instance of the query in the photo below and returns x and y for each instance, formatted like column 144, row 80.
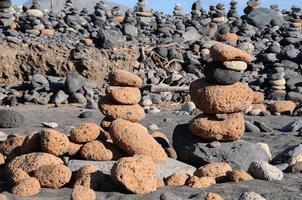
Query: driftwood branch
column 166, row 88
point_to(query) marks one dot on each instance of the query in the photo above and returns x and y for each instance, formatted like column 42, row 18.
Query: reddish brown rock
column 259, row 106
column 218, row 171
column 117, row 153
column 10, row 145
column 177, row 179
column 96, row 150
column 47, row 32
column 81, row 193
column 210, row 128
column 27, row 187
column 53, row 176
column 31, row 143
column 258, row 97
column 220, row 99
column 239, row 175
column 106, row 123
column 134, row 139
column 137, row 174
column 124, row 78
column 223, row 52
column 2, row 159
column 133, row 113
column 160, row 183
column 124, row 95
column 283, row 107
column 18, row 176
column 171, row 153
column 161, row 139
column 85, row 132
column 31, row 162
column 73, row 149
column 213, row 196
column 90, row 177
column 200, row 182
column 54, row 142
column 228, row 37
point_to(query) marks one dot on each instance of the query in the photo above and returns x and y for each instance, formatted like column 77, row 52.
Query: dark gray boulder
column 264, row 16
column 110, row 38
column 11, row 119
column 197, row 152
column 74, row 82
column 216, row 74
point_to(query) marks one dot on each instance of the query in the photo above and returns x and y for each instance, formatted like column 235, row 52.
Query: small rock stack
column 178, row 11
column 220, row 96
column 219, row 15
column 233, row 9
column 252, row 5
column 100, row 13
column 143, row 12
column 7, row 18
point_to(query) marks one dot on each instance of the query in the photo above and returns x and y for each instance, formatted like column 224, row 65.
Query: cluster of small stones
column 220, row 96
column 7, row 17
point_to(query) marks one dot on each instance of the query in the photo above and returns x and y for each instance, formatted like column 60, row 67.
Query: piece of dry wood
column 165, row 88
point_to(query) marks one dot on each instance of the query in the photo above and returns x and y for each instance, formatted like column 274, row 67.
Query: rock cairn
column 252, row 5
column 7, row 17
column 220, row 96
column 178, row 11
column 143, row 12
column 233, row 9
column 100, row 13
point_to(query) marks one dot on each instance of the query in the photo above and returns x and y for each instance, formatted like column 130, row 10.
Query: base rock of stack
column 124, row 95
column 215, row 73
column 134, row 139
column 223, row 52
column 196, row 151
column 125, row 78
column 211, row 128
column 133, row 113
column 137, row 174
column 220, row 99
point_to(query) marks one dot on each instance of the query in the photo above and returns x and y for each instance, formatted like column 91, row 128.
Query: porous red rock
column 283, row 107
column 124, row 78
column 221, row 99
column 137, row 174
column 228, row 37
column 213, row 196
column 31, row 162
column 258, row 97
column 31, row 143
column 177, row 179
column 85, row 132
column 17, row 176
column 259, row 106
column 124, row 95
column 223, row 52
column 2, row 159
column 218, row 171
column 134, row 139
column 54, row 142
column 80, row 193
column 10, row 145
column 160, row 183
column 239, row 175
column 53, row 176
column 200, row 182
column 96, row 150
column 210, row 128
column 133, row 113
column 90, row 177
column 73, row 149
column 27, row 187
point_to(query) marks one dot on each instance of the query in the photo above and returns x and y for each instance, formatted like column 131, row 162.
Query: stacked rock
column 277, row 81
column 178, row 12
column 7, row 18
column 143, row 12
column 233, row 9
column 197, row 10
column 129, row 25
column 100, row 13
column 252, row 5
column 68, row 5
column 219, row 15
column 220, row 96
column 117, row 14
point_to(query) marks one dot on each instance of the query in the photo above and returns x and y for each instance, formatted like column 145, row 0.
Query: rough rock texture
column 90, row 177
column 31, row 143
column 259, row 106
column 197, row 152
column 27, row 187
column 53, row 176
column 10, row 145
column 125, row 78
column 134, row 139
column 223, row 52
column 235, row 65
column 95, row 150
column 217, row 74
column 218, row 99
column 258, row 97
column 265, row 171
column 85, row 132
column 133, row 113
column 283, row 107
column 31, row 162
column 177, row 179
column 137, row 174
column 11, row 119
column 211, row 128
column 17, row 176
column 54, row 142
column 213, row 196
column 81, row 192
column 200, row 182
column 251, row 196
column 239, row 175
column 73, row 149
column 124, row 95
column 217, row 170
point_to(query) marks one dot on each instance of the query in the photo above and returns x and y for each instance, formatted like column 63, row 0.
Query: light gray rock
column 265, row 171
column 188, row 107
column 250, row 196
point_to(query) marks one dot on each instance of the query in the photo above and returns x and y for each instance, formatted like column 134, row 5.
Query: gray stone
column 263, row 127
column 111, row 38
column 263, row 16
column 251, row 196
column 163, row 170
column 40, row 82
column 293, row 126
column 197, row 152
column 294, row 96
column 74, row 82
column 286, row 155
column 14, row 39
column 60, row 97
column 191, row 35
column 216, row 74
column 11, row 119
column 265, row 171
column 188, row 107
column 169, row 196
column 250, row 127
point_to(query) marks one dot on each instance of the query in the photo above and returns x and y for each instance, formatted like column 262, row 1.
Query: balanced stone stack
column 220, row 96
column 178, row 11
column 7, row 18
column 252, row 5
column 233, row 13
column 143, row 12
column 219, row 16
column 197, row 11
column 100, row 13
